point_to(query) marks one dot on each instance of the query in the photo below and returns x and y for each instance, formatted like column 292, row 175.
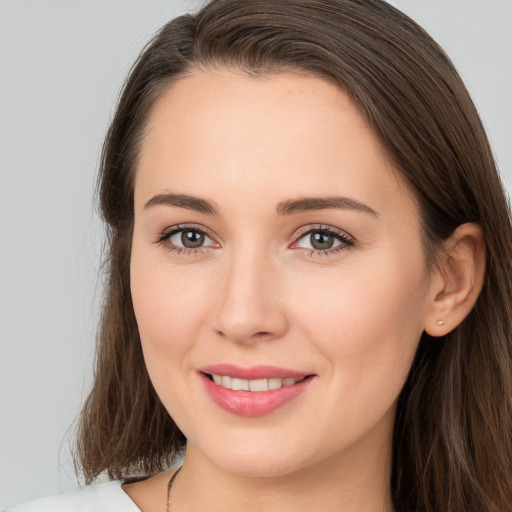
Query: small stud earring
column 440, row 323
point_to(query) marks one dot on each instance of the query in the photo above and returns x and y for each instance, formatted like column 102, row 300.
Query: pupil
column 192, row 239
column 322, row 241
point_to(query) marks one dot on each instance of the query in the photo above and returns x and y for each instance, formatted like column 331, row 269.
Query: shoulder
column 107, row 497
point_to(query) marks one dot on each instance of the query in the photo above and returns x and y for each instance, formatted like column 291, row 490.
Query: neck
column 344, row 483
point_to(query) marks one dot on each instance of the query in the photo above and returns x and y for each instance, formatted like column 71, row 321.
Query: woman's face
column 274, row 249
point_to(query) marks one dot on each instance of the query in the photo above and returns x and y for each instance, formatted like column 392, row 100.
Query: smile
column 254, row 391
column 255, row 385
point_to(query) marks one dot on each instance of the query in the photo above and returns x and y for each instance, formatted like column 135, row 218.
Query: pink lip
column 250, row 403
column 254, row 372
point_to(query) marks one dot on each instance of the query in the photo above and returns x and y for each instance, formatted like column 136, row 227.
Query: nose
column 250, row 306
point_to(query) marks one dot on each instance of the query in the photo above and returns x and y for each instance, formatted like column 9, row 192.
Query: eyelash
column 165, row 236
column 346, row 241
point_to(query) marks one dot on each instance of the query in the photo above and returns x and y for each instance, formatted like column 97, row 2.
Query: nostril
column 261, row 334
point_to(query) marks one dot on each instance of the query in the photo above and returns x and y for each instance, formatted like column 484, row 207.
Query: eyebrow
column 182, row 201
column 289, row 207
column 308, row 204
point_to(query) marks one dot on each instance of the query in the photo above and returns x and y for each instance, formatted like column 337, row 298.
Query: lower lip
column 253, row 403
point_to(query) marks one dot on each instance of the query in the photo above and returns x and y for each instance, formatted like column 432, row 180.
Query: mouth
column 254, row 385
column 255, row 391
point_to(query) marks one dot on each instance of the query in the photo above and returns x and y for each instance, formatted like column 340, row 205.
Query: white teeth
column 253, row 385
column 258, row 385
column 240, row 385
column 275, row 383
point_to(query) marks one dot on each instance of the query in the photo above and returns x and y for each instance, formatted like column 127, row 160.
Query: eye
column 189, row 239
column 324, row 239
column 186, row 238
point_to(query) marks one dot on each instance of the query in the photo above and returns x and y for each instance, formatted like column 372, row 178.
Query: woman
column 309, row 286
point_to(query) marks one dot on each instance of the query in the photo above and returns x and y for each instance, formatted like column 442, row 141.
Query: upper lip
column 253, row 372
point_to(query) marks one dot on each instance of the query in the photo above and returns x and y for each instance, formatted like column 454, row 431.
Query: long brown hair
column 452, row 448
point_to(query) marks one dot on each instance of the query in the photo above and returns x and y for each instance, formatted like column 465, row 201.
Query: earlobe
column 457, row 280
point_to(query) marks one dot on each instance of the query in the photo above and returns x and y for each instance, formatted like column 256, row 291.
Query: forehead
column 280, row 134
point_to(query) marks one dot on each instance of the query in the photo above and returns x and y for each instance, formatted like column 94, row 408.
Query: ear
column 457, row 280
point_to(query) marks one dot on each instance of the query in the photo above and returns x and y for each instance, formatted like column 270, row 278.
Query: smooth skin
column 258, row 288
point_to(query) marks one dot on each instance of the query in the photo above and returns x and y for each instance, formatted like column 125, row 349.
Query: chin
column 257, row 458
column 261, row 466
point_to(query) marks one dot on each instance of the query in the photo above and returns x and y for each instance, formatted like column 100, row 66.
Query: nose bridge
column 248, row 306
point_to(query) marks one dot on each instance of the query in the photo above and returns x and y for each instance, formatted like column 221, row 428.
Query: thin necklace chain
column 169, row 487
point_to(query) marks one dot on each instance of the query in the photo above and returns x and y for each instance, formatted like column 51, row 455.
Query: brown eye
column 187, row 238
column 321, row 241
column 192, row 239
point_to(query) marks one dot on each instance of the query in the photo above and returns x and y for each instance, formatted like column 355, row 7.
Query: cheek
column 168, row 304
column 367, row 329
column 169, row 308
column 367, row 322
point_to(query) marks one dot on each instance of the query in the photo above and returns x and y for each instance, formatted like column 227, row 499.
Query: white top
column 108, row 497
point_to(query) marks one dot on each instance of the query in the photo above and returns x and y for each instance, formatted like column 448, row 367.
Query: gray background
column 61, row 66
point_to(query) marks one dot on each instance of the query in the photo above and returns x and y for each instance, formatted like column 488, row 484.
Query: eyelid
column 164, row 236
column 304, row 230
column 347, row 239
column 171, row 230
